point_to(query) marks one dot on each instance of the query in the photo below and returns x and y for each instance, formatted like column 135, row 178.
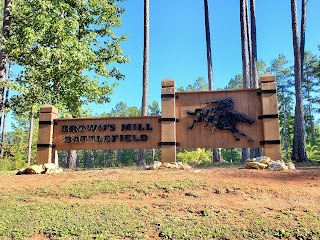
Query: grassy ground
column 135, row 204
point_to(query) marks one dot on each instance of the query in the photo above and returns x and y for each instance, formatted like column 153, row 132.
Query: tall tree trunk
column 249, row 45
column 285, row 132
column 299, row 139
column 254, row 57
column 6, row 102
column 145, row 77
column 245, row 58
column 3, row 134
column 244, row 45
column 303, row 32
column 216, row 152
column 153, row 154
column 72, row 159
column 7, row 12
column 313, row 132
column 30, row 139
column 252, row 151
column 208, row 42
column 255, row 152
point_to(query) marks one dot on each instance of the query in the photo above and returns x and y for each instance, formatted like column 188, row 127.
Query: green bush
column 313, row 152
column 196, row 156
column 11, row 164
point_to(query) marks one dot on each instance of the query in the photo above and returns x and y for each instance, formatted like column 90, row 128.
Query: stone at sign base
column 173, row 165
column 256, row 165
column 266, row 163
column 47, row 168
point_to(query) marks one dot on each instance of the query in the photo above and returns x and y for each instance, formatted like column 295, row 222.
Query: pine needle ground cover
column 221, row 203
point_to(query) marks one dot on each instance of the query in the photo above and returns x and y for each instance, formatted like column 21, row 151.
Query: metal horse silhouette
column 222, row 117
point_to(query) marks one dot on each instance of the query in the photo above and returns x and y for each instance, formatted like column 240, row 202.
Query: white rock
column 278, row 165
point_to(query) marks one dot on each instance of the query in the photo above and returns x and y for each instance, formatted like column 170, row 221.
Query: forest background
column 177, row 50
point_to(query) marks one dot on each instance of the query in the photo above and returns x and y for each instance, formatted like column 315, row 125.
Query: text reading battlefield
column 81, row 137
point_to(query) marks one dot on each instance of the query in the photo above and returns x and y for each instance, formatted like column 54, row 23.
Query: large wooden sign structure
column 246, row 118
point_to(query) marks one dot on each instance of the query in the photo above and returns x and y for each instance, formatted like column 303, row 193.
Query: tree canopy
column 65, row 48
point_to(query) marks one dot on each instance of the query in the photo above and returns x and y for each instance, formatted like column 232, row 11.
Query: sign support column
column 270, row 117
column 45, row 136
column 168, row 121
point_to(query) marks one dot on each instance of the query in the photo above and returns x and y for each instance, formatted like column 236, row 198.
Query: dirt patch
column 224, row 187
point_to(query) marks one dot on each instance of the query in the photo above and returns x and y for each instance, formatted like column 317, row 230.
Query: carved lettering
column 112, row 127
column 143, row 138
column 125, row 127
column 128, row 138
column 68, row 139
column 76, row 139
column 73, row 129
column 92, row 128
column 83, row 139
column 82, row 128
column 135, row 139
column 140, row 127
column 114, row 138
column 65, row 129
column 103, row 127
column 107, row 138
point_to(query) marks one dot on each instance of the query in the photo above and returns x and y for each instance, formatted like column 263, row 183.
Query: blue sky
column 177, row 42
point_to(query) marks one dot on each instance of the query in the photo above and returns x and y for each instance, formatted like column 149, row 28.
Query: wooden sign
column 193, row 132
column 245, row 118
column 106, row 133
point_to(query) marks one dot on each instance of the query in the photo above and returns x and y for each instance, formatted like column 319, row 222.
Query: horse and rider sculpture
column 222, row 117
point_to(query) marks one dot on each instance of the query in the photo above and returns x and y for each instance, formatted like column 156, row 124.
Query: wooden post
column 168, row 121
column 270, row 117
column 45, row 136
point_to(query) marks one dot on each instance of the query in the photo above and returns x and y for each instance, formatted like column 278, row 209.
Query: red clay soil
column 230, row 187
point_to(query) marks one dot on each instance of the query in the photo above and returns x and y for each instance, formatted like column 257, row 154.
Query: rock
column 183, row 165
column 35, row 169
column 49, row 166
column 156, row 165
column 177, row 165
column 256, row 165
column 22, row 171
column 54, row 170
column 170, row 165
column 278, row 165
column 291, row 166
column 263, row 159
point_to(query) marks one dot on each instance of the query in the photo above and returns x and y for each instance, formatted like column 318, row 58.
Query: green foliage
column 198, row 85
column 154, row 109
column 87, row 159
column 310, row 91
column 65, row 48
column 313, row 152
column 197, row 156
column 279, row 67
column 235, row 83
column 231, row 154
column 16, row 146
